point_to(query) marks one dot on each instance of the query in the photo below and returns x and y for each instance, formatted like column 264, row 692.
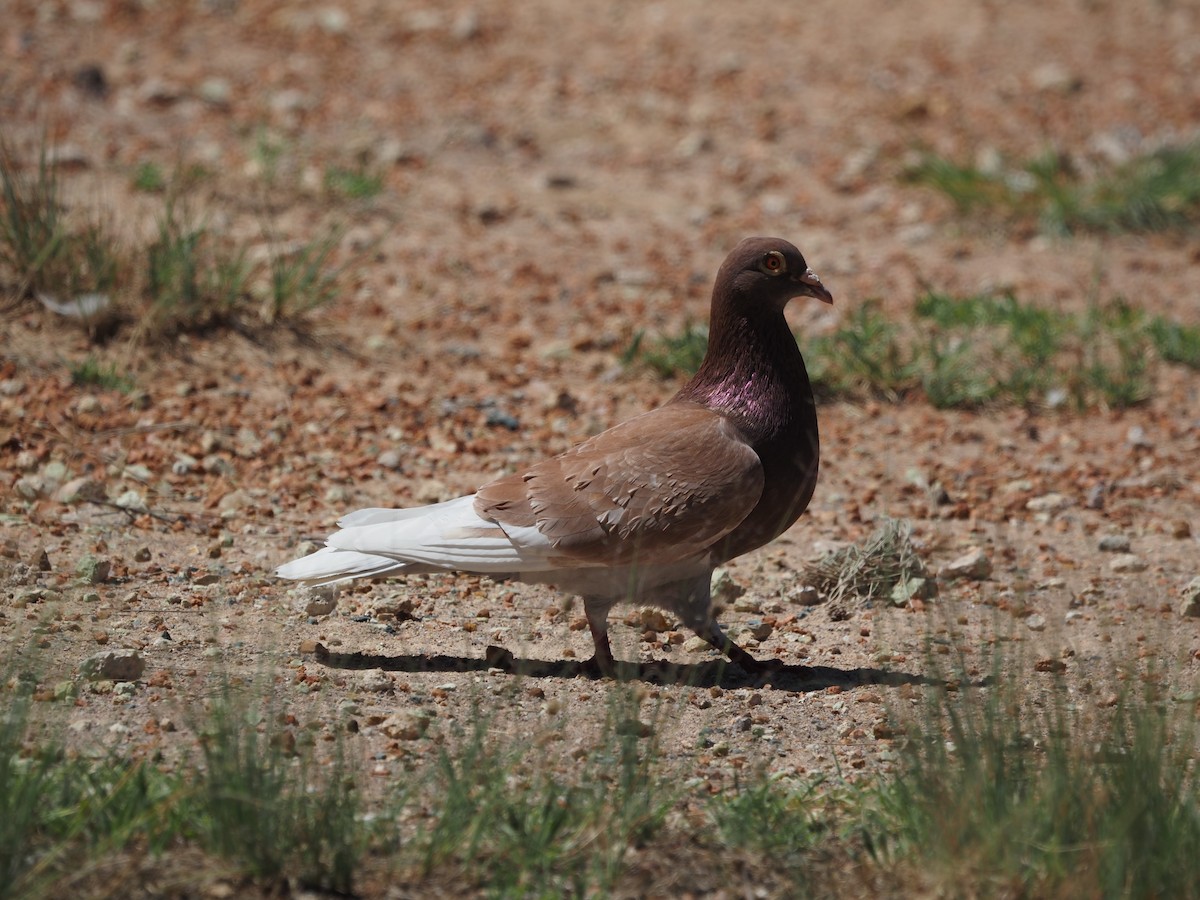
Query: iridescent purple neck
column 753, row 373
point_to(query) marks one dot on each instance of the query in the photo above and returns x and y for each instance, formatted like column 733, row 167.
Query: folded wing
column 661, row 488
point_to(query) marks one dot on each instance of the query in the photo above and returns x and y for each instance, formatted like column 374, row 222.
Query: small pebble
column 131, row 500
column 724, row 589
column 653, row 620
column 93, row 569
column 1048, row 503
column 748, row 603
column 696, row 645
column 804, row 596
column 921, row 588
column 233, row 501
column 406, row 726
column 321, row 602
column 760, row 631
column 215, row 92
column 974, row 565
column 1128, row 562
column 184, row 464
column 80, row 490
column 1136, row 438
column 30, row 487
column 1189, row 607
column 376, row 681
column 113, row 665
column 1114, row 543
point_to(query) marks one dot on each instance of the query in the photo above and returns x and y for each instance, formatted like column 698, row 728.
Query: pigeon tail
column 329, row 566
column 443, row 536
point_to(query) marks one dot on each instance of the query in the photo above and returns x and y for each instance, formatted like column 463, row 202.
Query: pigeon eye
column 773, row 263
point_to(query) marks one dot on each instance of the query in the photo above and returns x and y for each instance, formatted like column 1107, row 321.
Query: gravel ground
column 557, row 177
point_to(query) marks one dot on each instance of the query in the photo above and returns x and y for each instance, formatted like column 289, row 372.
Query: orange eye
column 773, row 263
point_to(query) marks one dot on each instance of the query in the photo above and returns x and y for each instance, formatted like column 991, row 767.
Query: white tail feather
column 328, row 566
column 378, row 515
column 450, row 535
column 446, row 535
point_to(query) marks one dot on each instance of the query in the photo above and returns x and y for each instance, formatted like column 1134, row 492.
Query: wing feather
column 660, row 488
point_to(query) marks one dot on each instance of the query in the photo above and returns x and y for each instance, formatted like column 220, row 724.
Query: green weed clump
column 33, row 227
column 257, row 799
column 669, row 355
column 197, row 280
column 782, row 818
column 993, row 789
column 44, row 249
column 1154, row 192
column 976, row 351
column 1174, row 342
column 300, row 279
column 193, row 280
column 353, row 184
column 264, row 802
column 867, row 355
column 149, row 178
column 190, row 277
column 514, row 827
column 57, row 811
column 1049, row 801
column 91, row 372
column 985, row 349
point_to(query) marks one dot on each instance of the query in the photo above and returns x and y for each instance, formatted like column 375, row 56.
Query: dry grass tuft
column 884, row 566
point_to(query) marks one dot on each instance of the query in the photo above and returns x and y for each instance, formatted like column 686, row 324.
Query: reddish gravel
column 558, row 177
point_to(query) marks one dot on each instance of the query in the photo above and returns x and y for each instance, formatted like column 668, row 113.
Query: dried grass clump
column 885, row 565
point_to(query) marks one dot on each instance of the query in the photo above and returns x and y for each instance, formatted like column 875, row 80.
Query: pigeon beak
column 813, row 287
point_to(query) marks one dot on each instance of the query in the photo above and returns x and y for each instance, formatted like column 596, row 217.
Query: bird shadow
column 718, row 673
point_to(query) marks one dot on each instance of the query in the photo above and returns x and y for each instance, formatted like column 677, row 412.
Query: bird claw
column 749, row 664
column 598, row 667
column 725, row 644
column 754, row 666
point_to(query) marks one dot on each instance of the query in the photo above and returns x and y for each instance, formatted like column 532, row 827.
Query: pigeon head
column 753, row 371
column 767, row 271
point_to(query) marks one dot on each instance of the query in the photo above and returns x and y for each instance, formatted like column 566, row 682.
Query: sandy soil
column 557, row 177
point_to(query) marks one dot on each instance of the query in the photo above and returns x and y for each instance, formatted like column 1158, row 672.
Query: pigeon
column 643, row 512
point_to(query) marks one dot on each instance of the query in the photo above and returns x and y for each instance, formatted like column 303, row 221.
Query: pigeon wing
column 660, row 488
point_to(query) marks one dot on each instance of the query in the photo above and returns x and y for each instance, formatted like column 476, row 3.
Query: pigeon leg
column 712, row 633
column 602, row 660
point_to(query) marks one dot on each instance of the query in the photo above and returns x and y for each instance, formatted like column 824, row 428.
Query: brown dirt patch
column 556, row 177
